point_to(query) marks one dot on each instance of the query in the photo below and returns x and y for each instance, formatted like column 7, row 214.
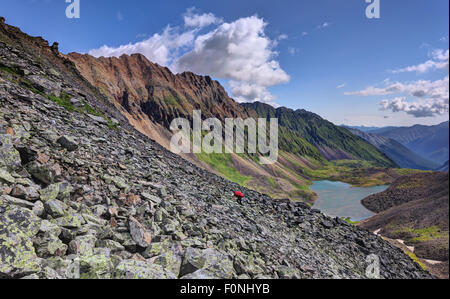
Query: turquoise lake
column 337, row 199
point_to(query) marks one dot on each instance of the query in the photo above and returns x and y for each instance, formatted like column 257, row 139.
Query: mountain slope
column 443, row 167
column 404, row 157
column 333, row 142
column 415, row 209
column 79, row 193
column 430, row 142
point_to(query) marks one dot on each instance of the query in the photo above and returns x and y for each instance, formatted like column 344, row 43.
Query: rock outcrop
column 85, row 196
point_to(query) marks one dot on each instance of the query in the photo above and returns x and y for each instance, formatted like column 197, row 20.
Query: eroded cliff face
column 142, row 87
column 83, row 194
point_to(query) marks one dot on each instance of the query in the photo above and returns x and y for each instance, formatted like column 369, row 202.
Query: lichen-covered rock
column 55, row 208
column 70, row 220
column 6, row 177
column 95, row 267
column 211, row 261
column 9, row 156
column 83, row 245
column 17, row 255
column 132, row 269
column 111, row 245
column 45, row 174
column 156, row 248
column 169, row 260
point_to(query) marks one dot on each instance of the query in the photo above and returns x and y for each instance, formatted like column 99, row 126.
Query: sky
column 324, row 56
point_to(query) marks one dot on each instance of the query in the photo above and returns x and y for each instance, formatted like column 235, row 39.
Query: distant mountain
column 430, row 142
column 443, row 167
column 333, row 142
column 400, row 154
column 362, row 128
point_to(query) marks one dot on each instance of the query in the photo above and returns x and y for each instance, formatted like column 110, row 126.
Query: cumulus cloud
column 433, row 97
column 421, row 108
column 192, row 19
column 159, row 48
column 440, row 60
column 240, row 52
column 422, row 88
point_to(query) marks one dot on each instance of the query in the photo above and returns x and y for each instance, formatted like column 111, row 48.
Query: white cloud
column 421, row 108
column 293, row 51
column 283, row 37
column 440, row 60
column 304, row 33
column 324, row 25
column 341, row 86
column 433, row 97
column 241, row 52
column 420, row 89
column 192, row 19
column 159, row 48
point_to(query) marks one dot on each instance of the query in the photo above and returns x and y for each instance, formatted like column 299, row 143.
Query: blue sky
column 390, row 71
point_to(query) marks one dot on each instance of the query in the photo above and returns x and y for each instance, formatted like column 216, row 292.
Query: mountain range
column 399, row 153
column 430, row 142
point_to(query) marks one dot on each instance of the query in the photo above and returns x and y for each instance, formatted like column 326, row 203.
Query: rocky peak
column 142, row 87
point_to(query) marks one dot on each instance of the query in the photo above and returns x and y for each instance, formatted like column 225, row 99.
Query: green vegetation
column 63, row 100
column 349, row 221
column 222, row 162
column 405, row 171
column 9, row 70
column 423, row 234
column 416, row 259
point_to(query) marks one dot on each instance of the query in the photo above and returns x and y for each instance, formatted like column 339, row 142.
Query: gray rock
column 139, row 233
column 68, row 143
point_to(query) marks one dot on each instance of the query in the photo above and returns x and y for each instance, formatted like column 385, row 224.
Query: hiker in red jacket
column 239, row 196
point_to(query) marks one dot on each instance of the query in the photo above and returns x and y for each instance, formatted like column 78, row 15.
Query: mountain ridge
column 430, row 142
column 404, row 157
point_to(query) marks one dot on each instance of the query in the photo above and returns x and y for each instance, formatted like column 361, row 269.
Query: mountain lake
column 338, row 199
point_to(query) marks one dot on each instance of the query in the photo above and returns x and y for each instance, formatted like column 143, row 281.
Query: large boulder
column 17, row 255
column 212, row 264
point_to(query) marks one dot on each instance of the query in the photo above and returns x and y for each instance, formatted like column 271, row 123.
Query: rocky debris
column 68, row 143
column 114, row 204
